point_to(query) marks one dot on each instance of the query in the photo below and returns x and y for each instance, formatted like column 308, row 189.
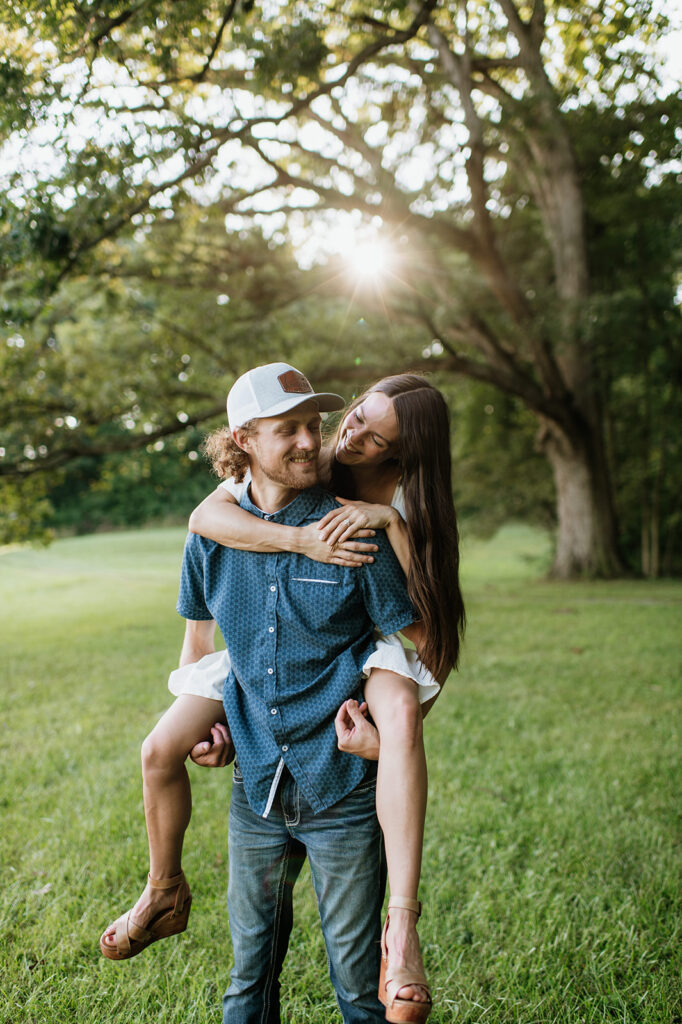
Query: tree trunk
column 656, row 521
column 586, row 535
column 646, row 541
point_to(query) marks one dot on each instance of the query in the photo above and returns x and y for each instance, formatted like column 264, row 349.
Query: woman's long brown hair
column 426, row 473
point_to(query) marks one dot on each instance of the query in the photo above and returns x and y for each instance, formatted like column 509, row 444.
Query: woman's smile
column 345, row 444
column 370, row 431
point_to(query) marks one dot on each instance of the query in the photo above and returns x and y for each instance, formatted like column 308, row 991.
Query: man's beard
column 286, row 475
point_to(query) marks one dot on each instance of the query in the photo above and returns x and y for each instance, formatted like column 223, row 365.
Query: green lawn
column 552, row 862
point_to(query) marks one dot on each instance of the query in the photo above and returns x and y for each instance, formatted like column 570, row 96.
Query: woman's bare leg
column 167, row 794
column 401, row 805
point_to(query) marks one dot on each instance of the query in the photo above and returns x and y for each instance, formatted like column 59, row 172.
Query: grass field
column 552, row 862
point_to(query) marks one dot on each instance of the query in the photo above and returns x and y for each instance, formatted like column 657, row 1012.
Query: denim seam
column 279, row 904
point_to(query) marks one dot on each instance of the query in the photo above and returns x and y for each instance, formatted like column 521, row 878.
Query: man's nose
column 305, row 440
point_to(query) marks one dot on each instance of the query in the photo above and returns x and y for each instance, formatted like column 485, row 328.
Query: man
column 298, row 633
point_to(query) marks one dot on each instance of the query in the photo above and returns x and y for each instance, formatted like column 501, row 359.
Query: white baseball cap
column 271, row 390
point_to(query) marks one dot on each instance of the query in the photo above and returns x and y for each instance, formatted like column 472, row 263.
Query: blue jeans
column 345, row 850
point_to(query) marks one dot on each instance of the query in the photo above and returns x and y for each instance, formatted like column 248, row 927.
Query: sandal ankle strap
column 182, row 894
column 166, row 883
column 405, row 903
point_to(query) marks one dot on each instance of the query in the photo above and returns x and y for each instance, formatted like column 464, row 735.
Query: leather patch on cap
column 294, row 383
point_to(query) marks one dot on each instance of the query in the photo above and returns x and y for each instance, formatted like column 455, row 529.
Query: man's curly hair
column 226, row 458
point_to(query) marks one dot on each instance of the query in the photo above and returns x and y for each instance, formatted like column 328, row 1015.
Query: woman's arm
column 339, row 525
column 221, row 519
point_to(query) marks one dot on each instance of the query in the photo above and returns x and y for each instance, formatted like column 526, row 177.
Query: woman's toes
column 414, row 993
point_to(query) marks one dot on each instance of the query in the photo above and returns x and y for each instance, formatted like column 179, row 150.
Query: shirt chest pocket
column 317, row 602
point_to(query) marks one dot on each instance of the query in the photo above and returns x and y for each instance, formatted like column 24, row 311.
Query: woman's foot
column 162, row 910
column 403, row 988
column 402, row 943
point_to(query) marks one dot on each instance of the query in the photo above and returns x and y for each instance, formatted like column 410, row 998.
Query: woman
column 390, row 457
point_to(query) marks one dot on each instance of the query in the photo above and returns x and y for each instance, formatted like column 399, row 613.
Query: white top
column 237, row 490
column 398, row 500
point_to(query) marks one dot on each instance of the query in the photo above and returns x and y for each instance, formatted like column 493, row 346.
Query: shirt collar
column 293, row 513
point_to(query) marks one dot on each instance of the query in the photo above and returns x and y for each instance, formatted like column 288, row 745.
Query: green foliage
column 292, row 53
column 25, row 511
column 597, row 43
column 161, row 484
column 17, row 110
column 498, row 473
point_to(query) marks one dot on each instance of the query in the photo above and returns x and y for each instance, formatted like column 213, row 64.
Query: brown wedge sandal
column 131, row 938
column 402, row 1011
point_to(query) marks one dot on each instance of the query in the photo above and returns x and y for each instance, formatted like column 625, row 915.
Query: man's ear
column 241, row 438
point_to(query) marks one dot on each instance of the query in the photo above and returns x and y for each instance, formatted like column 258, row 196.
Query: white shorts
column 205, row 678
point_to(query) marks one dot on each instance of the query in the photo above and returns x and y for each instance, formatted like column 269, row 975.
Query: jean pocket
column 368, row 786
column 358, row 808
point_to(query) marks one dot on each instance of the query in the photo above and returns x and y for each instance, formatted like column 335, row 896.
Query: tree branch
column 111, row 23
column 83, row 446
column 227, row 17
column 458, row 70
column 351, row 140
column 486, row 64
column 537, row 22
column 501, row 366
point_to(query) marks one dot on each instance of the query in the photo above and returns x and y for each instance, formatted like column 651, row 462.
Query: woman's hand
column 352, row 518
column 351, row 552
column 355, row 735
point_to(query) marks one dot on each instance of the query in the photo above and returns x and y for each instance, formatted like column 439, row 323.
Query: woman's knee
column 159, row 753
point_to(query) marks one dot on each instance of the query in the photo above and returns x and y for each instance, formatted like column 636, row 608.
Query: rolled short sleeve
column 385, row 590
column 191, row 598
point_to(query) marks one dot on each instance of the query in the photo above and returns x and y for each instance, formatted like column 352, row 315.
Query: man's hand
column 354, row 733
column 216, row 752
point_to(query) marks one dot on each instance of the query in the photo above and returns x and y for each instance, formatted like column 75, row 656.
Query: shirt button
column 271, row 629
column 270, row 671
column 273, row 711
column 273, row 588
column 285, row 748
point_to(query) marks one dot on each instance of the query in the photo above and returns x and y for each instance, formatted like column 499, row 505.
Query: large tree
column 450, row 123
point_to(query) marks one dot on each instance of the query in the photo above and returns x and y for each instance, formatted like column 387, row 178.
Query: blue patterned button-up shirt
column 298, row 633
